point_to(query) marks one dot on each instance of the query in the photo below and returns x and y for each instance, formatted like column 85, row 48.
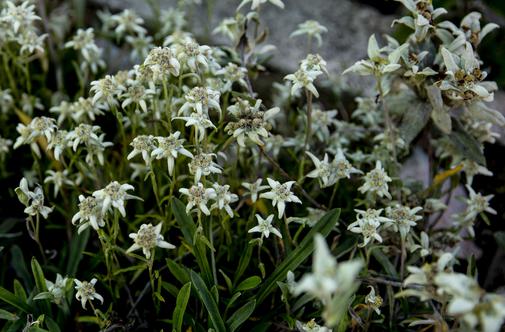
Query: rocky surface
column 345, row 42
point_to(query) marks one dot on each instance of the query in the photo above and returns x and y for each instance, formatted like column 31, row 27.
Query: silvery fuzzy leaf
column 437, row 12
column 487, row 29
column 440, row 114
column 373, row 49
column 467, row 145
column 480, row 111
column 406, row 20
column 450, row 60
column 468, row 60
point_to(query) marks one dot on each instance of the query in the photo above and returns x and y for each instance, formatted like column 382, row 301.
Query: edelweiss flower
column 423, row 15
column 58, row 178
column 254, row 188
column 377, row 63
column 374, row 301
column 330, row 173
column 170, row 147
column 403, row 218
column 198, row 196
column 192, row 54
column 280, row 194
column 477, row 204
column 223, row 198
column 200, row 121
column 162, row 62
column 256, row 3
column 114, row 194
column 105, row 91
column 250, row 122
column 311, row 326
column 327, row 278
column 147, row 238
column 202, row 164
column 90, row 214
column 232, row 74
column 376, row 181
column 303, row 79
column 311, row 28
column 265, row 227
column 86, row 292
column 57, row 288
column 36, row 205
column 201, row 100
column 143, row 144
column 136, row 93
column 367, row 224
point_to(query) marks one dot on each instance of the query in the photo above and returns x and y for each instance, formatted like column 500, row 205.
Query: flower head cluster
column 170, row 147
column 86, row 291
column 147, row 238
column 114, row 195
column 250, row 122
column 376, row 181
column 33, row 200
column 84, row 42
column 403, row 218
column 367, row 224
column 280, row 194
column 311, row 28
column 265, row 227
column 19, row 25
column 330, row 172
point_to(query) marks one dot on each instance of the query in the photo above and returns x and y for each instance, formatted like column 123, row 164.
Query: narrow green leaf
column 52, row 325
column 19, row 291
column 77, row 247
column 4, row 314
column 241, row 315
column 299, row 254
column 384, row 262
column 19, row 264
column 227, row 280
column 178, row 271
column 249, row 283
column 180, row 307
column 15, row 301
column 188, row 229
column 208, row 302
column 243, row 262
column 40, row 282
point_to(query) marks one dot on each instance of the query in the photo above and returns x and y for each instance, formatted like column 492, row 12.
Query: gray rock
column 349, row 25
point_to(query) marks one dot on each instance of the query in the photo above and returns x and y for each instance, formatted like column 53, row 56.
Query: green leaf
column 15, row 301
column 466, row 144
column 208, row 301
column 19, row 291
column 4, row 314
column 188, row 229
column 299, row 254
column 249, row 283
column 243, row 263
column 19, row 264
column 180, row 307
column 178, row 271
column 77, row 247
column 227, row 280
column 40, row 282
column 241, row 315
column 384, row 262
column 413, row 121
